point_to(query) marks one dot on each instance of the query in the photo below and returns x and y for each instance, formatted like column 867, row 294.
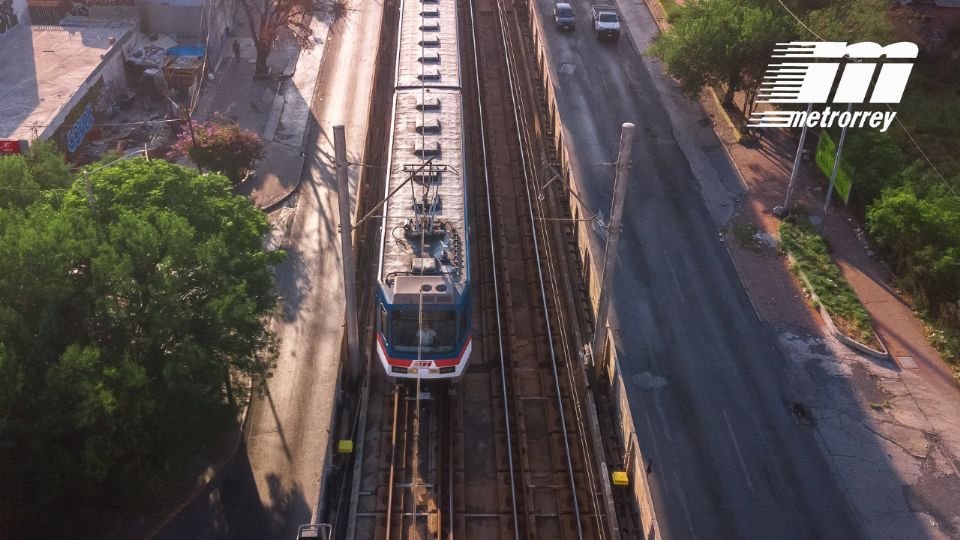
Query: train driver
column 426, row 335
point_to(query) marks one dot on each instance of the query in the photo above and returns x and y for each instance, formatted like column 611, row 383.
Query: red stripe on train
column 406, row 363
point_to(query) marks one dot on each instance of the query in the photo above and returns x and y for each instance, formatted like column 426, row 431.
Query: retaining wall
column 591, row 258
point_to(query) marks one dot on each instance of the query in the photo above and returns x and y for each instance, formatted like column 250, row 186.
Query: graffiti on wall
column 80, row 129
column 106, row 98
column 8, row 16
column 79, row 121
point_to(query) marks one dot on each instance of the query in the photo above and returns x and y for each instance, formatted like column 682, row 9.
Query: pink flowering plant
column 221, row 145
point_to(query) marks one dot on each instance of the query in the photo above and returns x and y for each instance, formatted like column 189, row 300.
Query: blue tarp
column 186, row 50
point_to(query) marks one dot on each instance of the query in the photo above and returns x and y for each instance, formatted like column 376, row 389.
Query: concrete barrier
column 553, row 127
column 883, row 354
column 635, row 464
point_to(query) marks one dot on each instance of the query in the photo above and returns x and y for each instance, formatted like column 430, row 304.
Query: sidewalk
column 277, row 108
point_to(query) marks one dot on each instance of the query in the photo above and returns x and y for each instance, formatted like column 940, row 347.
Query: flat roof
column 43, row 67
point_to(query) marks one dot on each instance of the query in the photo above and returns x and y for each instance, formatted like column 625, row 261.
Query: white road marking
column 736, row 447
column 673, row 273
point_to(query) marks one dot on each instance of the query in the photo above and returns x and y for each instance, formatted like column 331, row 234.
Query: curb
column 276, row 202
column 737, row 134
column 743, row 283
column 663, row 25
column 843, row 338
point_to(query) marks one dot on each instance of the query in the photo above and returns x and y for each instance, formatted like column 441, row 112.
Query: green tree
column 854, row 20
column 876, row 162
column 922, row 236
column 722, row 41
column 17, row 187
column 48, row 166
column 124, row 326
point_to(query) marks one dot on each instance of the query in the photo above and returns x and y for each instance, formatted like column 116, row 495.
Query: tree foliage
column 121, row 323
column 853, row 21
column 922, row 237
column 721, row 41
column 268, row 19
column 222, row 146
column 24, row 178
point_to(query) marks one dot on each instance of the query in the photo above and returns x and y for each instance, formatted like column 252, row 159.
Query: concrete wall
column 221, row 24
column 100, row 90
column 209, row 21
column 181, row 20
column 617, row 396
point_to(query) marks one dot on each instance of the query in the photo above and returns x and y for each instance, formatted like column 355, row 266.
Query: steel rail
column 393, row 458
column 511, row 75
column 496, row 286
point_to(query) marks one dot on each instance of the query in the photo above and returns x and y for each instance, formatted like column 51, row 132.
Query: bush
column 813, row 259
column 921, row 236
column 222, row 146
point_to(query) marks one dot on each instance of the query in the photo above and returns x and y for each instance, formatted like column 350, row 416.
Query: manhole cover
column 567, row 69
column 907, row 362
column 801, row 414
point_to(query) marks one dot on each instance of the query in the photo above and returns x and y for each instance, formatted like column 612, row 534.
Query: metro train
column 423, row 290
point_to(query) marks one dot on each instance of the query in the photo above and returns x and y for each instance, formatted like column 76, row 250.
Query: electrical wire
column 899, row 122
column 800, row 22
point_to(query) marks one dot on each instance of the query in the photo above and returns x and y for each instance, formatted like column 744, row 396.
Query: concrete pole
column 785, row 209
column 346, row 249
column 613, row 238
column 836, row 168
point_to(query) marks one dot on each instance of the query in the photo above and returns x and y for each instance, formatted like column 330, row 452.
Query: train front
column 423, row 325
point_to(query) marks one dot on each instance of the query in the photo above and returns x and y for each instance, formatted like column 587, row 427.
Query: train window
column 438, row 334
column 383, row 321
column 464, row 325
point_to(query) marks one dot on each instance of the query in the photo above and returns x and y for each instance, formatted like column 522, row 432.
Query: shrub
column 813, row 259
column 221, row 145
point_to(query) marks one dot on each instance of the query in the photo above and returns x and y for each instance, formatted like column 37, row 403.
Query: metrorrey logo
column 811, row 80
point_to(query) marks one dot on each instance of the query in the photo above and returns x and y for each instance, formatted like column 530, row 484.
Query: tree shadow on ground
column 232, row 507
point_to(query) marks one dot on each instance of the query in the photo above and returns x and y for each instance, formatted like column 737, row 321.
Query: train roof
column 424, row 240
column 428, row 51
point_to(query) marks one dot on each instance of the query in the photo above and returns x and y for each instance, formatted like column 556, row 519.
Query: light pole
column 782, row 211
column 613, row 238
column 346, row 249
column 836, row 168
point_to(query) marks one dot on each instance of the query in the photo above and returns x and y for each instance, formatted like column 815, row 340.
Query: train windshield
column 438, row 334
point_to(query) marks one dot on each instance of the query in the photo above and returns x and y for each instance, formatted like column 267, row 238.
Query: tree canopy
column 269, row 19
column 721, row 41
column 125, row 323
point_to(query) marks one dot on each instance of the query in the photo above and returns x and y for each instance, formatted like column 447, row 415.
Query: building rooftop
column 43, row 67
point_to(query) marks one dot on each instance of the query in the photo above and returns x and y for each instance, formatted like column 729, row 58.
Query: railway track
column 503, row 453
column 554, row 488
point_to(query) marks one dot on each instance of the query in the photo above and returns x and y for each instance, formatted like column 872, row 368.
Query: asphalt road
column 703, row 374
column 273, row 484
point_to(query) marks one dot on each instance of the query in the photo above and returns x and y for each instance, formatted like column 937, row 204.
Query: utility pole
column 346, row 249
column 782, row 211
column 836, row 168
column 613, row 238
